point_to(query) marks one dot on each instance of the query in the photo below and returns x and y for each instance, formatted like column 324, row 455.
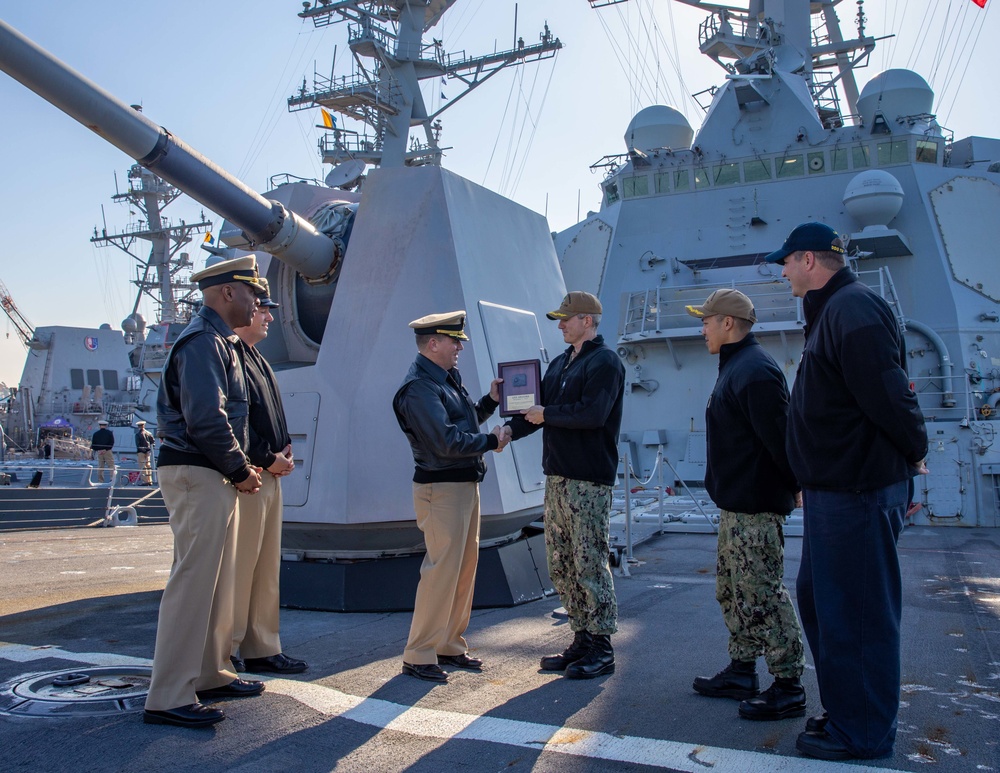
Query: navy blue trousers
column 850, row 604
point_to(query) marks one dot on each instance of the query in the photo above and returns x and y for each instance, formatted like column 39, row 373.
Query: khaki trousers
column 144, row 465
column 448, row 515
column 194, row 632
column 105, row 458
column 258, row 564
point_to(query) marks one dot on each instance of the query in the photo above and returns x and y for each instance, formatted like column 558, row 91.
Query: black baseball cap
column 812, row 237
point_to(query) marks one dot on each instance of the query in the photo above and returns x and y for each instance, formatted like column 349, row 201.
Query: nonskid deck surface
column 73, row 599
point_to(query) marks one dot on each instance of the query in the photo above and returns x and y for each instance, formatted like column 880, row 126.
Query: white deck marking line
column 434, row 723
column 446, row 725
column 23, row 653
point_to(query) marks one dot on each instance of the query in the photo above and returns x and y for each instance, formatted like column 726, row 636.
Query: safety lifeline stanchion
column 623, row 562
column 693, row 497
column 659, row 468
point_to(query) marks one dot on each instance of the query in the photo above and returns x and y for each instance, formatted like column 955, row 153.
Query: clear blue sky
column 217, row 75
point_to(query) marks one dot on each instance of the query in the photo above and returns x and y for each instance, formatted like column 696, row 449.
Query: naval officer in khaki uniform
column 442, row 424
column 256, row 641
column 202, row 420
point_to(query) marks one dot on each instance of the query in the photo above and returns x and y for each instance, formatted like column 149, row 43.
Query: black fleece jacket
column 583, row 414
column 853, row 423
column 748, row 469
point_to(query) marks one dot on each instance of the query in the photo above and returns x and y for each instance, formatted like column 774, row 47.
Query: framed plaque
column 521, row 387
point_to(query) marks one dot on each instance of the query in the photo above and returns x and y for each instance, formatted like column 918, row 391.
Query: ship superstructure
column 685, row 212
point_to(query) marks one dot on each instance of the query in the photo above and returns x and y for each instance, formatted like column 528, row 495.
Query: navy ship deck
column 75, row 599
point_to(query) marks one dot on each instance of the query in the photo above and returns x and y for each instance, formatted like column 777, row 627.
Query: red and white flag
column 980, row 3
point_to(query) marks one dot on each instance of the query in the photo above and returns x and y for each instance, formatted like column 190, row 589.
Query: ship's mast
column 156, row 275
column 756, row 38
column 391, row 59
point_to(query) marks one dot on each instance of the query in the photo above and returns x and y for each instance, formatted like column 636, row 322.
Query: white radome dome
column 894, row 93
column 658, row 126
column 873, row 198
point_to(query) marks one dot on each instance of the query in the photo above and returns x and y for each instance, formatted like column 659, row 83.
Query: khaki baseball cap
column 727, row 303
column 576, row 302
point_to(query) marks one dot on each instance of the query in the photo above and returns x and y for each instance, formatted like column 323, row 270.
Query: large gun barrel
column 268, row 225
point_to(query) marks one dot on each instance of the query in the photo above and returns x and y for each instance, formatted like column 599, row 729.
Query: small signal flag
column 328, row 120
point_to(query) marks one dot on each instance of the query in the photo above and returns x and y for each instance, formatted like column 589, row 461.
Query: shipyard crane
column 24, row 328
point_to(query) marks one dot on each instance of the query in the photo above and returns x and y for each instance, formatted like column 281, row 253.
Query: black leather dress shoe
column 461, row 661
column 238, row 665
column 192, row 715
column 276, row 664
column 822, row 746
column 817, row 723
column 426, row 671
column 238, row 688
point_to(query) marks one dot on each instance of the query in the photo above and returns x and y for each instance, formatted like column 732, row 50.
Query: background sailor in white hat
column 144, row 444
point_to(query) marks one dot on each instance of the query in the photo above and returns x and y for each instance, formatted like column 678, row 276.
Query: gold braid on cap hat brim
column 250, row 279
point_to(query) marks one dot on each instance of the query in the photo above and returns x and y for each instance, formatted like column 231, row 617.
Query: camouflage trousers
column 755, row 604
column 577, row 514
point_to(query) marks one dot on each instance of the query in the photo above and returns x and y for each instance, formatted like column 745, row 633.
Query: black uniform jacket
column 583, row 414
column 268, row 429
column 143, row 441
column 853, row 423
column 441, row 422
column 201, row 406
column 103, row 440
column 748, row 469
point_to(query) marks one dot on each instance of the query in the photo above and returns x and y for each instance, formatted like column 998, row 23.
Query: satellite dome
column 873, row 198
column 894, row 93
column 658, row 126
column 128, row 325
column 105, row 326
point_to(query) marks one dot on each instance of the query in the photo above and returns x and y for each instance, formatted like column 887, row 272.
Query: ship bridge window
column 110, row 380
column 701, row 178
column 635, row 186
column 726, row 174
column 927, row 152
column 662, row 181
column 611, row 192
column 757, row 170
column 838, row 160
column 894, row 152
column 860, row 157
column 682, row 180
column 93, row 378
column 791, row 166
column 817, row 162
column 76, row 378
